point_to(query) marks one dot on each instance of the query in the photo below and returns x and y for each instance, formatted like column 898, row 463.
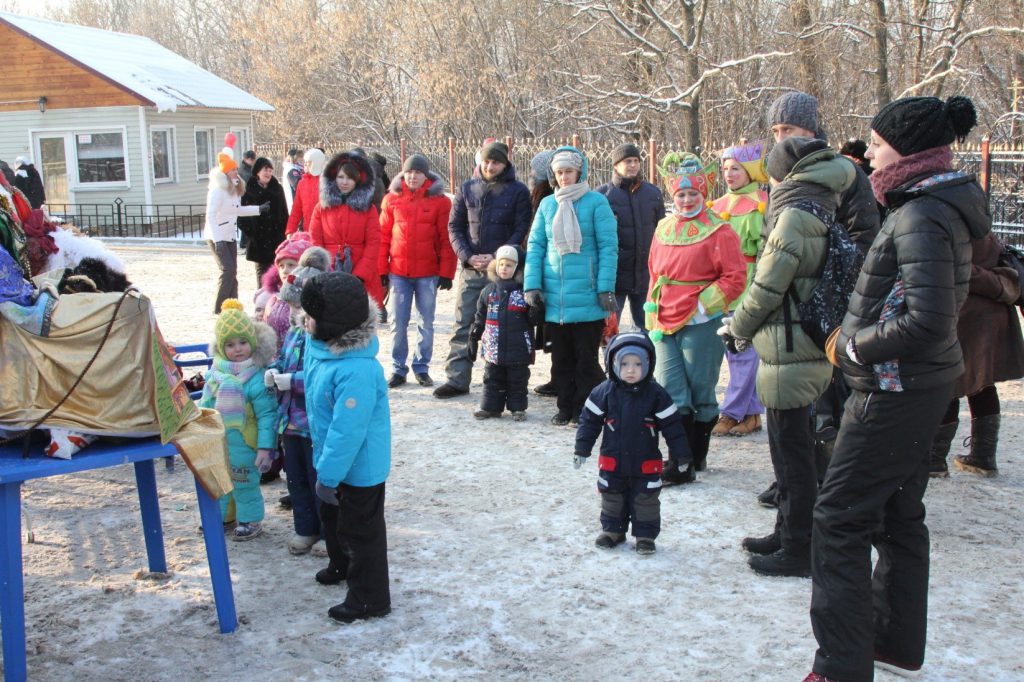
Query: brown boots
column 727, row 426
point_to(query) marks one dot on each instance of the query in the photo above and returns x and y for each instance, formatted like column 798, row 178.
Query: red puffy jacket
column 336, row 227
column 307, row 196
column 414, row 230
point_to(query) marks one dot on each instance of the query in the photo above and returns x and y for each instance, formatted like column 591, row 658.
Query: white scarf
column 565, row 227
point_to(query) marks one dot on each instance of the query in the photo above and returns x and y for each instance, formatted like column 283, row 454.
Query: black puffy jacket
column 858, row 210
column 502, row 320
column 486, row 215
column 638, row 206
column 629, row 417
column 926, row 240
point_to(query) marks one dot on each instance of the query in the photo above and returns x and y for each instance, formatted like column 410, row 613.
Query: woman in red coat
column 306, row 192
column 345, row 221
column 416, row 259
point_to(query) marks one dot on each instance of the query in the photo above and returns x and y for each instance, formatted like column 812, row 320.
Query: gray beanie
column 785, row 154
column 540, row 168
column 625, row 151
column 796, row 109
column 416, row 162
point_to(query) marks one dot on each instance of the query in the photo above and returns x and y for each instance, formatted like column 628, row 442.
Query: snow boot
column 247, row 531
column 770, row 497
column 937, row 467
column 700, row 440
column 645, row 546
column 769, row 544
column 750, row 424
column 983, row 441
column 898, row 668
column 608, row 540
column 725, row 422
column 671, row 475
column 783, row 563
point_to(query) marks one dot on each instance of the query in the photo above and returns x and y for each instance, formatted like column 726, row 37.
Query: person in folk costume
column 743, row 206
column 697, row 272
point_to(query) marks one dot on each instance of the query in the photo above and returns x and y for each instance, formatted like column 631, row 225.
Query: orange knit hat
column 226, row 163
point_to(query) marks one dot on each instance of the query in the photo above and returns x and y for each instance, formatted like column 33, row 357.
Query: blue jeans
column 298, row 467
column 688, row 363
column 403, row 291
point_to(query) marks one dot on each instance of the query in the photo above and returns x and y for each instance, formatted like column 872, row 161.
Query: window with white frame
column 101, row 158
column 163, row 150
column 204, row 151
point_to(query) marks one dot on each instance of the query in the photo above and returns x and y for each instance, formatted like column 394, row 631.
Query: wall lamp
column 42, row 105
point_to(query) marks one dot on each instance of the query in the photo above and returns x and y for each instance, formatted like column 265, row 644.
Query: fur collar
column 436, row 187
column 219, row 180
column 355, row 339
column 360, row 198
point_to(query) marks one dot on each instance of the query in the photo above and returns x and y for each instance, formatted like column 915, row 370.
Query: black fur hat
column 337, row 302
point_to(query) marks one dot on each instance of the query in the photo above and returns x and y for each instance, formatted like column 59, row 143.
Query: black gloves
column 444, row 283
column 265, row 207
column 473, row 344
column 327, row 495
column 608, row 302
column 384, row 281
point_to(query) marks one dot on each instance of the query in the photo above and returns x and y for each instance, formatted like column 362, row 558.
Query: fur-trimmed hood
column 219, row 180
column 358, row 338
column 360, row 198
column 266, row 345
column 517, row 276
column 436, row 187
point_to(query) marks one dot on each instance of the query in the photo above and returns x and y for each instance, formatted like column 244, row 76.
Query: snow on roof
column 139, row 64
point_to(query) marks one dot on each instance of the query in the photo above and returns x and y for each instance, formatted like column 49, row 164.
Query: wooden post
column 451, row 163
column 576, row 140
column 986, row 163
column 401, row 150
column 652, row 160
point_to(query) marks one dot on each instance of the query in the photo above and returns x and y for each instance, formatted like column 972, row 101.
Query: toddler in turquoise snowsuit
column 241, row 350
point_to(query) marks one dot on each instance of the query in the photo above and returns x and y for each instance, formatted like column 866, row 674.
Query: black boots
column 984, row 438
column 699, row 435
column 937, row 467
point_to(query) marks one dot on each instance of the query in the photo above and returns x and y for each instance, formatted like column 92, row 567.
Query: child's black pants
column 357, row 544
column 505, row 386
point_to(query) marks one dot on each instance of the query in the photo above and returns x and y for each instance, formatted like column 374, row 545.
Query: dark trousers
column 873, row 494
column 357, row 544
column 226, row 254
column 574, row 366
column 298, row 467
column 630, row 498
column 505, row 386
column 791, row 444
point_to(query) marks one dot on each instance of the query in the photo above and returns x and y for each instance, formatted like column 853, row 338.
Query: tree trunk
column 800, row 10
column 883, row 92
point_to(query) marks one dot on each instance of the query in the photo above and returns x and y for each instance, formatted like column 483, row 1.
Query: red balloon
column 230, row 139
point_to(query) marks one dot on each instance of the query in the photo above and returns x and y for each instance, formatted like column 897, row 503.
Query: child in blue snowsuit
column 503, row 325
column 241, row 351
column 350, row 421
column 628, row 410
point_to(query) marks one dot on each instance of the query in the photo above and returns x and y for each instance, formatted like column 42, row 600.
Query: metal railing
column 119, row 219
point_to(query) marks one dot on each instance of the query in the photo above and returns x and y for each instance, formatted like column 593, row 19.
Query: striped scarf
column 226, row 381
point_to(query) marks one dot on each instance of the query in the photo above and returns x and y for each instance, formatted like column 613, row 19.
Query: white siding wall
column 16, row 139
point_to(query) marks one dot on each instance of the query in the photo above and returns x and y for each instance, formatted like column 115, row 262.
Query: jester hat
column 751, row 156
column 683, row 170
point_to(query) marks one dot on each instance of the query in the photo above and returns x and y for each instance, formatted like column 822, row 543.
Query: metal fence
column 119, row 219
column 1001, row 172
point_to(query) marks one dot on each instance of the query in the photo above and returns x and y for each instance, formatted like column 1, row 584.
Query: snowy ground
column 493, row 570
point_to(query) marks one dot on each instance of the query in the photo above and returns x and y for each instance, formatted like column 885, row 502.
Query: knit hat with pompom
column 914, row 124
column 233, row 323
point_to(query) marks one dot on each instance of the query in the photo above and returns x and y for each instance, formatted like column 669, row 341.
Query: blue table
column 14, row 470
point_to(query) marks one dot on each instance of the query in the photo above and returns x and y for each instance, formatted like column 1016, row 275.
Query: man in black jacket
column 638, row 206
column 491, row 209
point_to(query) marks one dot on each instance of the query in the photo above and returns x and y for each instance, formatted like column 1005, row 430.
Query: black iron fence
column 120, row 219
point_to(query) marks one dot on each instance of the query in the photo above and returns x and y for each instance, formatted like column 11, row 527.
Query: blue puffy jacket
column 572, row 281
column 347, row 405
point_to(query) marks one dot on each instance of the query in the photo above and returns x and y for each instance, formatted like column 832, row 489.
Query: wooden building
column 107, row 116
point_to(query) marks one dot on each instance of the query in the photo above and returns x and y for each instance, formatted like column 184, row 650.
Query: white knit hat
column 507, row 252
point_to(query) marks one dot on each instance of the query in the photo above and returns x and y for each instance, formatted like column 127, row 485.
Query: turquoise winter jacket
column 571, row 282
column 347, row 405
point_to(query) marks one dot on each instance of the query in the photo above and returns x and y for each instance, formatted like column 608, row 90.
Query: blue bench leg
column 145, row 479
column 217, row 556
column 12, row 600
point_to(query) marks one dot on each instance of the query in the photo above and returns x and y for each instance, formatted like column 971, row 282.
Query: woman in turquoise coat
column 571, row 259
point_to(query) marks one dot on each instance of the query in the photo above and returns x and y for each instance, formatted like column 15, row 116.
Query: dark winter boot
column 940, row 449
column 770, row 497
column 984, row 438
column 670, row 474
column 700, row 440
column 782, row 563
column 769, row 544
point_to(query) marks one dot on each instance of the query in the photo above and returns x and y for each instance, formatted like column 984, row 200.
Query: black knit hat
column 260, row 164
column 913, row 124
column 337, row 302
column 625, row 151
column 495, row 151
column 785, row 154
column 416, row 162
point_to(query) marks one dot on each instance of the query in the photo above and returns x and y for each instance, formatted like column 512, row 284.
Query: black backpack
column 824, row 309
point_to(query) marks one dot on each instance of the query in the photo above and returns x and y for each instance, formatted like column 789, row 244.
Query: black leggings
column 984, row 403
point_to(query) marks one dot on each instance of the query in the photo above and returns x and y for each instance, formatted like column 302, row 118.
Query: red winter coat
column 414, row 230
column 307, row 195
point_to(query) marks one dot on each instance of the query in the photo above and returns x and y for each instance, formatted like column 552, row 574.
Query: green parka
column 794, row 253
